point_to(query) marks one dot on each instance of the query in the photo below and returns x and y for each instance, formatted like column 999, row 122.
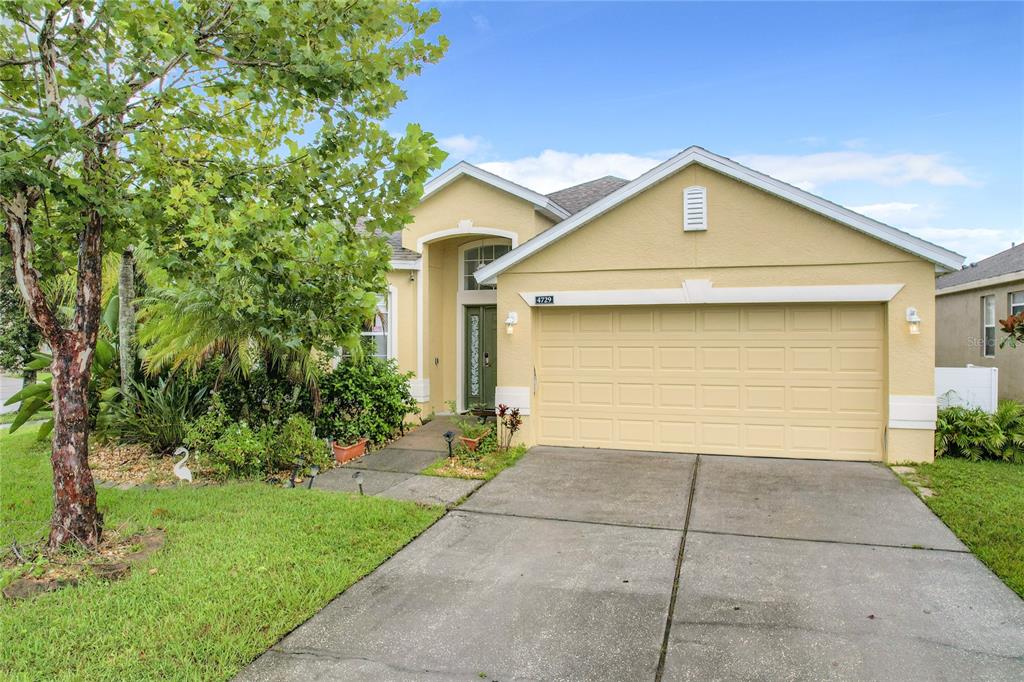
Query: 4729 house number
column 543, row 300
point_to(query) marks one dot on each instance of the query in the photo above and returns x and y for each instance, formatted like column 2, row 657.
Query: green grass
column 983, row 503
column 489, row 465
column 243, row 564
column 8, row 417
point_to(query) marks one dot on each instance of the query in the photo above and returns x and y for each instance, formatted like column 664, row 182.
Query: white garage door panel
column 799, row 381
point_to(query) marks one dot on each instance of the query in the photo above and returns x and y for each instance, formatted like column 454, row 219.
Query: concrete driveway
column 608, row 565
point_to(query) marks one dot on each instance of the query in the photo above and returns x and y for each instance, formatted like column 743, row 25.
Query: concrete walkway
column 584, row 564
column 394, row 471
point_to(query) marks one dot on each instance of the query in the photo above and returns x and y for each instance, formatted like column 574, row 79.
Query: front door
column 481, row 356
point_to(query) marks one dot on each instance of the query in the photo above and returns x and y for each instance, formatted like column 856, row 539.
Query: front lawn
column 983, row 503
column 243, row 564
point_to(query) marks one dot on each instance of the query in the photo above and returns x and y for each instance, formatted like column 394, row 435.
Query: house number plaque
column 543, row 300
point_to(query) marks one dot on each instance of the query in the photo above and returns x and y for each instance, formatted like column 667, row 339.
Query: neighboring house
column 969, row 304
column 702, row 307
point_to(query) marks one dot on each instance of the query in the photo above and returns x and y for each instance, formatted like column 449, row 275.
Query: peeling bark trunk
column 76, row 518
column 126, row 317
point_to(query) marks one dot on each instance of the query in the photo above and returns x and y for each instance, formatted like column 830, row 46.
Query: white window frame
column 390, row 328
column 988, row 305
column 1015, row 302
column 462, row 261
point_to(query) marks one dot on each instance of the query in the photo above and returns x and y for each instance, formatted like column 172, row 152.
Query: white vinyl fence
column 967, row 386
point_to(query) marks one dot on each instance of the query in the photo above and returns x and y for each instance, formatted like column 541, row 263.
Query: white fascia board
column 541, row 202
column 944, row 258
column 701, row 292
column 982, row 283
column 407, row 264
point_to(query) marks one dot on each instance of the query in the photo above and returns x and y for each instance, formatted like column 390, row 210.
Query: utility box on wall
column 968, row 387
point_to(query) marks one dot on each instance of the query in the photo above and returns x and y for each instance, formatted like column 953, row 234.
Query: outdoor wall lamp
column 914, row 320
column 511, row 321
column 412, row 275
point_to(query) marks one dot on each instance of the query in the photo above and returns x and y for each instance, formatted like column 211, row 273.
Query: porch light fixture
column 511, row 321
column 914, row 320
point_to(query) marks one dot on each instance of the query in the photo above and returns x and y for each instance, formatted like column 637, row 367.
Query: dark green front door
column 481, row 353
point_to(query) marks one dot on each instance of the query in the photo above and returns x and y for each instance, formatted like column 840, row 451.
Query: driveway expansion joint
column 660, row 672
column 531, row 517
column 921, row 548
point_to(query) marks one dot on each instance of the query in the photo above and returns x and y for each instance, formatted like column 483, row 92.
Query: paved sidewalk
column 394, row 472
column 581, row 564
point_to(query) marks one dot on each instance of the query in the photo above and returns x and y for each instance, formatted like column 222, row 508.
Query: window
column 475, row 258
column 1016, row 302
column 379, row 328
column 988, row 326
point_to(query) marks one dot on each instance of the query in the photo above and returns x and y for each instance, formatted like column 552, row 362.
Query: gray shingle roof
column 1003, row 263
column 398, row 252
column 576, row 198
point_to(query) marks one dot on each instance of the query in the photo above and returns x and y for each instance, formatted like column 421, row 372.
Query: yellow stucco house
column 702, row 307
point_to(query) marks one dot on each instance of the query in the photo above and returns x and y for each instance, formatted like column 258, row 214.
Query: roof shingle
column 576, row 198
column 1003, row 263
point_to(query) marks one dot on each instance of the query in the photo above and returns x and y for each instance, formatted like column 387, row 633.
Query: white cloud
column 809, row 171
column 892, row 211
column 552, row 170
column 974, row 243
column 462, row 145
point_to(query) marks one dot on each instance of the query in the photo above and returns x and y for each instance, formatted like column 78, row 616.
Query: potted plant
column 473, row 430
column 348, row 443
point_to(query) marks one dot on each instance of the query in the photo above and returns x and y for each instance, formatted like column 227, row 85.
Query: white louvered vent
column 695, row 209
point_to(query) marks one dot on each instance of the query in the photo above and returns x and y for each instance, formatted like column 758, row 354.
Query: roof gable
column 943, row 258
column 544, row 204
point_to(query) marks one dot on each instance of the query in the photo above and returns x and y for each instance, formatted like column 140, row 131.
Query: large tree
column 236, row 143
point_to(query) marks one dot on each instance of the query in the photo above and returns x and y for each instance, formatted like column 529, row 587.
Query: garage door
column 781, row 381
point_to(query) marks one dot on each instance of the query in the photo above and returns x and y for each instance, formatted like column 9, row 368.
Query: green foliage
column 364, row 399
column 468, row 424
column 157, row 415
column 975, row 435
column 19, row 338
column 1009, row 417
column 37, row 399
column 259, row 398
column 234, row 449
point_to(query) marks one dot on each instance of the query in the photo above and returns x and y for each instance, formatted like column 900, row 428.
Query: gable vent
column 695, row 208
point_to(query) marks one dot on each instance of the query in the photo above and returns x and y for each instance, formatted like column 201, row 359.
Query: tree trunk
column 76, row 518
column 126, row 317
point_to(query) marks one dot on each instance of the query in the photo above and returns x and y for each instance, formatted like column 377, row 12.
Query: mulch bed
column 112, row 560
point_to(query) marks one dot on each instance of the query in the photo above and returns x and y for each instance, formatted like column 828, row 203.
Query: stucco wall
column 754, row 239
column 960, row 338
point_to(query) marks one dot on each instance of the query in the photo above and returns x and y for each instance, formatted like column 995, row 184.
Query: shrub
column 156, row 415
column 1009, row 417
column 974, row 434
column 368, row 398
column 234, row 449
column 294, row 439
column 258, row 398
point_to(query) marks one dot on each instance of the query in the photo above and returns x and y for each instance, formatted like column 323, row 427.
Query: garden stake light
column 295, row 472
column 313, row 471
column 358, row 478
column 449, row 436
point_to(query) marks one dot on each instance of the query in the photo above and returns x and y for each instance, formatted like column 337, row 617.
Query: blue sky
column 912, row 113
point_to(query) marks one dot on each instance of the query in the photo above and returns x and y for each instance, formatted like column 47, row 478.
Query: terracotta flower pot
column 346, row 453
column 473, row 443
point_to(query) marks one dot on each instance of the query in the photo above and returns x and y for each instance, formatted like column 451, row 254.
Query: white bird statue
column 180, row 470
